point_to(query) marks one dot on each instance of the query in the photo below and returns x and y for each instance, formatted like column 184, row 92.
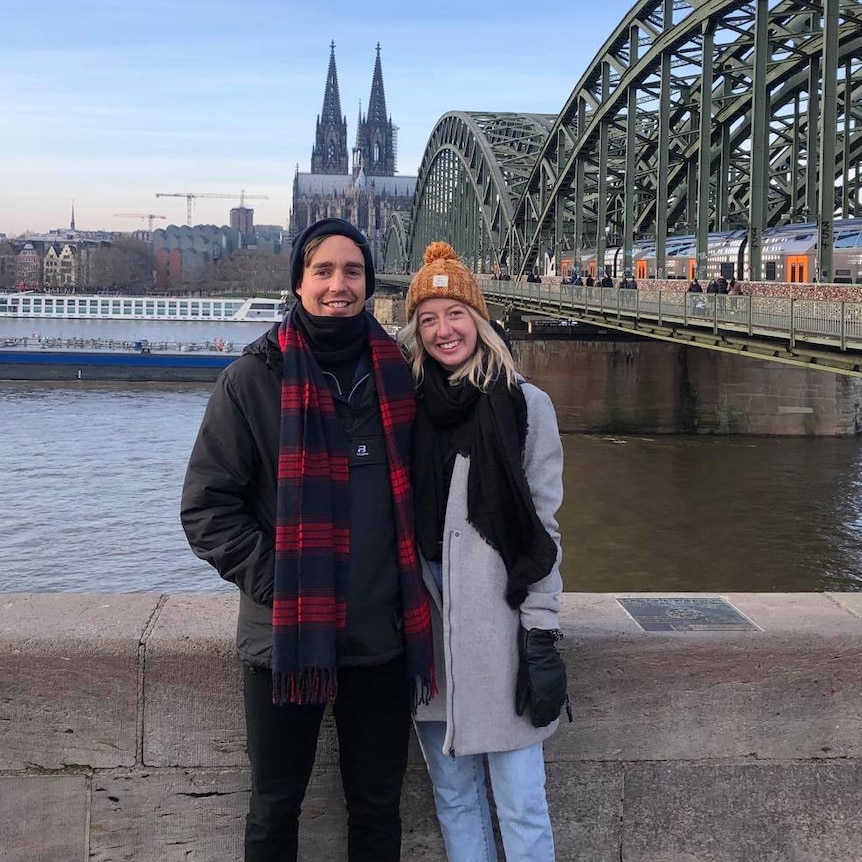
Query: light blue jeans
column 518, row 785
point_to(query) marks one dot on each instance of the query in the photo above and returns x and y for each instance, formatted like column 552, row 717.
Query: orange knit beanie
column 444, row 276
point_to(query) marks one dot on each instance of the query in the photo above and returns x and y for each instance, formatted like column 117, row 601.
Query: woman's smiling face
column 447, row 330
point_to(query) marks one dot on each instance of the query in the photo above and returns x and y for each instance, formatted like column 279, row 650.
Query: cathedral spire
column 73, row 216
column 377, row 102
column 329, row 154
column 331, row 112
column 375, row 136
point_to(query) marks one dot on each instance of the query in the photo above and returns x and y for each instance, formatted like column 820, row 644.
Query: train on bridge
column 789, row 254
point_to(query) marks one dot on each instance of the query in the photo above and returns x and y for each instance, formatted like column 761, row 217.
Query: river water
column 90, row 478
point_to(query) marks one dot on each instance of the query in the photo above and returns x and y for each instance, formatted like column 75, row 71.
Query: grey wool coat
column 475, row 630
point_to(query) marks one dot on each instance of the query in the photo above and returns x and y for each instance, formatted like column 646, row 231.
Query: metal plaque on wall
column 704, row 613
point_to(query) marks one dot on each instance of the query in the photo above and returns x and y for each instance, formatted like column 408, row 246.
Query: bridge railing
column 832, row 323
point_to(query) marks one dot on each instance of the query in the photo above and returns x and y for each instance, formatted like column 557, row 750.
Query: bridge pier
column 649, row 387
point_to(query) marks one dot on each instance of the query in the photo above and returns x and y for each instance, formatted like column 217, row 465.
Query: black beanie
column 329, row 227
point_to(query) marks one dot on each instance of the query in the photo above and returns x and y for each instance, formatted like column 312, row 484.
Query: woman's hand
column 541, row 683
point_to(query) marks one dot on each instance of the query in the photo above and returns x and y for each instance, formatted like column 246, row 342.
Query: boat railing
column 36, row 342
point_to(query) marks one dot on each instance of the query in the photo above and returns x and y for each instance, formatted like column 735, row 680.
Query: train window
column 726, row 270
column 847, row 239
column 769, row 270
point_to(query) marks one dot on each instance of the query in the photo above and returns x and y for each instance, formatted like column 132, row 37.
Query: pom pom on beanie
column 444, row 277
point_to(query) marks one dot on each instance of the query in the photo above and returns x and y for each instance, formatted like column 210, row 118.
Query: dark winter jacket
column 229, row 500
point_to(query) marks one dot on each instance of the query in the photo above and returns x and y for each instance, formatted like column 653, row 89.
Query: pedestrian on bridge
column 488, row 478
column 734, row 289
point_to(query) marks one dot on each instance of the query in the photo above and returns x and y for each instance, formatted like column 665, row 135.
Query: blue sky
column 106, row 102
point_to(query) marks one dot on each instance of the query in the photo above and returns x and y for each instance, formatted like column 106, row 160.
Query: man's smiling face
column 333, row 280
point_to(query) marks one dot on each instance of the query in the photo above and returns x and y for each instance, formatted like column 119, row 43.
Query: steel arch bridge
column 696, row 116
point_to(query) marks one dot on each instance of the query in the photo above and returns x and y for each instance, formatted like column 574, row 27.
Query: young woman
column 488, row 481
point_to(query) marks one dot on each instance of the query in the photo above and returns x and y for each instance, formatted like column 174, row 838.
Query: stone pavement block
column 69, row 678
column 421, row 840
column 586, row 806
column 174, row 815
column 43, row 818
column 193, row 714
column 743, row 813
column 169, row 816
column 712, row 694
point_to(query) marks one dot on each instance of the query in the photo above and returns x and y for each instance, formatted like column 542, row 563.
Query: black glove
column 541, row 683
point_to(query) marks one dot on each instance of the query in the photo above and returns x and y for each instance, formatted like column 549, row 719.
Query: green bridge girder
column 474, row 168
column 395, row 248
column 724, row 113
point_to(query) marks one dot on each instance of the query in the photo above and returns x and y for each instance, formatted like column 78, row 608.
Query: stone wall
column 121, row 736
column 389, row 310
column 653, row 387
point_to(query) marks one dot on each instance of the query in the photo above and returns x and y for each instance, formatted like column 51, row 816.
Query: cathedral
column 364, row 190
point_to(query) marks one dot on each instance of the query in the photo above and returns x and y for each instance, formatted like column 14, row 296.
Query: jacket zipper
column 454, row 534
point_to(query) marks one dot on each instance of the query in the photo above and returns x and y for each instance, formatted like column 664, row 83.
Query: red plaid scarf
column 312, row 534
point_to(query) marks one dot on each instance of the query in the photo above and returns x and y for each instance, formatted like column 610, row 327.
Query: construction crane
column 149, row 216
column 190, row 196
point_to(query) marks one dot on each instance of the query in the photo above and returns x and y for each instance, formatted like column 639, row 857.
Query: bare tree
column 7, row 266
column 125, row 266
column 251, row 273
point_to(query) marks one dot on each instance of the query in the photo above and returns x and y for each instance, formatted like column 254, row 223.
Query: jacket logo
column 362, row 451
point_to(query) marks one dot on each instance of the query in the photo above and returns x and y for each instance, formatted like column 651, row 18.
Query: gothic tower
column 376, row 145
column 329, row 153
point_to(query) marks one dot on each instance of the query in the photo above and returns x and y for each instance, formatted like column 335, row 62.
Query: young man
column 298, row 491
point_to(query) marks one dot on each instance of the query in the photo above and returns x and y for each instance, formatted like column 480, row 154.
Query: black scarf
column 491, row 428
column 336, row 342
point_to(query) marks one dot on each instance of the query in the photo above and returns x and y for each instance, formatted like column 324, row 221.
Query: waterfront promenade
column 734, row 738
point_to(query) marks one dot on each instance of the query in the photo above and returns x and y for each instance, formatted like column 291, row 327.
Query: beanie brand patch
column 440, row 281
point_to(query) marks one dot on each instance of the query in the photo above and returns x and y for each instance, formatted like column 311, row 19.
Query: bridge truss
column 696, row 116
column 474, row 169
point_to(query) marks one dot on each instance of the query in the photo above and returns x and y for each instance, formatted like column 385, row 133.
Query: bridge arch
column 473, row 171
column 395, row 256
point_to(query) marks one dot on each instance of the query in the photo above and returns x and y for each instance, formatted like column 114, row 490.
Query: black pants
column 372, row 716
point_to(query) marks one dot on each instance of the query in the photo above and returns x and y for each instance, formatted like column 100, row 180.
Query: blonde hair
column 490, row 359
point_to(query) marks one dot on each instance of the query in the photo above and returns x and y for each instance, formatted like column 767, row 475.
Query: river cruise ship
column 166, row 308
